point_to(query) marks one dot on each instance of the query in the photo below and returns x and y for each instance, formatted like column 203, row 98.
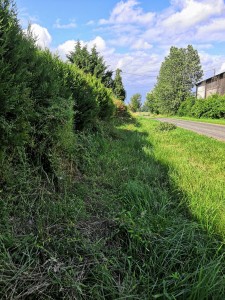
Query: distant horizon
column 134, row 36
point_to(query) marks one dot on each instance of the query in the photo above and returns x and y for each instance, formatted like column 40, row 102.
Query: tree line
column 173, row 92
column 178, row 75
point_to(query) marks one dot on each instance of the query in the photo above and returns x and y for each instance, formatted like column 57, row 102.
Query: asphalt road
column 211, row 130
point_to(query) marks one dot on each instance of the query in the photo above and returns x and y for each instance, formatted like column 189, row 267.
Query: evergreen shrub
column 43, row 99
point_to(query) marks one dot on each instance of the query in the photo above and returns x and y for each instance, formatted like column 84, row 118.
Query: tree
column 150, row 103
column 135, row 102
column 179, row 73
column 80, row 57
column 193, row 68
column 91, row 62
column 118, row 87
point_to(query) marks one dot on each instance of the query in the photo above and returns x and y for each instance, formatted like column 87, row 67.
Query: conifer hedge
column 40, row 95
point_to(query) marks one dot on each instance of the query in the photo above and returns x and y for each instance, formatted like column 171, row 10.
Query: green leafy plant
column 212, row 107
column 165, row 126
column 179, row 73
column 135, row 102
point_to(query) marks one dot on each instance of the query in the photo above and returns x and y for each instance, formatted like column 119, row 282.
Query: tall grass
column 98, row 214
column 117, row 228
column 196, row 167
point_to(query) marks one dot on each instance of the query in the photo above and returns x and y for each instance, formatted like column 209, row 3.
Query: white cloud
column 211, row 63
column 90, row 23
column 128, row 12
column 139, row 70
column 140, row 44
column 130, row 41
column 41, row 34
column 122, row 41
column 222, row 69
column 127, row 22
column 202, row 46
column 188, row 21
column 193, row 12
column 212, row 31
column 99, row 42
column 58, row 25
column 183, row 22
column 137, row 66
column 66, row 48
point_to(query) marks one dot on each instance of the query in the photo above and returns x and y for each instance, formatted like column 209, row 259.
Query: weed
column 165, row 126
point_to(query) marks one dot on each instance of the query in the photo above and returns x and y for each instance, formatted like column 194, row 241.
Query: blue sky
column 132, row 35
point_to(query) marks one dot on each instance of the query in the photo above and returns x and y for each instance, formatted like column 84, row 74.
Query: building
column 210, row 86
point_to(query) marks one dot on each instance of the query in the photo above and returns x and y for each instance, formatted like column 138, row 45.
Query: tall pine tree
column 118, row 88
column 91, row 62
column 80, row 57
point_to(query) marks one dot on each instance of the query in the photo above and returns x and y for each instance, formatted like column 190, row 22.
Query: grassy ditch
column 119, row 225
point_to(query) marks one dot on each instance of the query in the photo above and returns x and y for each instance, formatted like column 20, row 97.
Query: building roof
column 210, row 78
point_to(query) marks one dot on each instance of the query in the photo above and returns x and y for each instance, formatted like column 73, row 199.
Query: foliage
column 186, row 106
column 79, row 225
column 179, row 73
column 120, row 229
column 80, row 57
column 212, row 107
column 53, row 106
column 121, row 108
column 103, row 97
column 150, row 104
column 85, row 105
column 38, row 91
column 42, row 99
column 118, row 88
column 165, row 126
column 16, row 107
column 91, row 63
column 135, row 102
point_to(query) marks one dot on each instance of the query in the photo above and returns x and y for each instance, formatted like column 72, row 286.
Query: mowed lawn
column 196, row 168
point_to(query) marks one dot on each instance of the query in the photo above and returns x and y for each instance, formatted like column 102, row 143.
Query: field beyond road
column 210, row 130
column 141, row 215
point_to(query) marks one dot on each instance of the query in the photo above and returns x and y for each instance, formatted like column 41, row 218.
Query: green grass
column 196, row 167
column 213, row 121
column 153, row 116
column 122, row 223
